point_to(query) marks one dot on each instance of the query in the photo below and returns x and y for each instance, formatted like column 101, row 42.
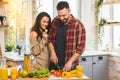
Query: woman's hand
column 45, row 35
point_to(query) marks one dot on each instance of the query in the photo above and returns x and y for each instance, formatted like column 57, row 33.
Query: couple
column 65, row 43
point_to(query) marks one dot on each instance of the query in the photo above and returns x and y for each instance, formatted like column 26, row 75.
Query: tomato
column 57, row 73
column 52, row 71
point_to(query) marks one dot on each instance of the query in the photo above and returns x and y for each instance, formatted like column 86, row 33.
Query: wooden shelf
column 112, row 24
column 112, row 2
column 2, row 26
column 3, row 2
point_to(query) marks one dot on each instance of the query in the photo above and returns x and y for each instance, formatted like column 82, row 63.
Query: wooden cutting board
column 56, row 78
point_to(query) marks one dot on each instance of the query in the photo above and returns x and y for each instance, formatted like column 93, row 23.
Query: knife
column 58, row 67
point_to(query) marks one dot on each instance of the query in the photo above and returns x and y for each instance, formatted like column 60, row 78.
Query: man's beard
column 65, row 20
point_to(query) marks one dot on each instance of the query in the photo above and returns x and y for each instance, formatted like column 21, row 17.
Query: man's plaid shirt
column 75, row 37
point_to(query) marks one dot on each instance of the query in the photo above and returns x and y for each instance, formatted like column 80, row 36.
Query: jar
column 27, row 62
column 3, row 69
column 14, row 73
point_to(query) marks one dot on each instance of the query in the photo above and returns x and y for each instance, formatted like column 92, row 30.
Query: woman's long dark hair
column 37, row 24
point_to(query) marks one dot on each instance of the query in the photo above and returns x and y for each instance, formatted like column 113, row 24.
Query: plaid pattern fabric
column 75, row 37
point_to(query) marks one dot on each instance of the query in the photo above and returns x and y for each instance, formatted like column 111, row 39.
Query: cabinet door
column 86, row 63
column 100, row 68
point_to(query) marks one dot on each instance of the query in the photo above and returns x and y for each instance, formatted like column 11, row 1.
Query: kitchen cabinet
column 95, row 67
column 86, row 63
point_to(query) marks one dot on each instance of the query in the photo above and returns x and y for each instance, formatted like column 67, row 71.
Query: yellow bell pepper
column 79, row 68
column 73, row 71
column 66, row 74
column 79, row 74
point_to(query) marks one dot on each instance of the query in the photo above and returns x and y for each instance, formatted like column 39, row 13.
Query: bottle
column 27, row 62
column 4, row 69
column 107, row 48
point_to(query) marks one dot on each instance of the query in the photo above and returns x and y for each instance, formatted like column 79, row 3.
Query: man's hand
column 54, row 59
column 67, row 66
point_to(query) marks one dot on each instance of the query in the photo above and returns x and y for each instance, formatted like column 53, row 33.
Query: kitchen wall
column 2, row 42
column 114, row 67
column 88, row 19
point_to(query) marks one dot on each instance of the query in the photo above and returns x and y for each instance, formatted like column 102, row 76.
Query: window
column 111, row 32
column 50, row 7
column 47, row 6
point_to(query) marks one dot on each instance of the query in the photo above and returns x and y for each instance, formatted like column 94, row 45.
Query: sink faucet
column 19, row 49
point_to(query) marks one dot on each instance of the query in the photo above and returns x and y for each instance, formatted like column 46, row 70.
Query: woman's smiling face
column 44, row 22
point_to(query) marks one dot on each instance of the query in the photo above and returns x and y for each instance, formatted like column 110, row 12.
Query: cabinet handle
column 83, row 59
column 100, row 58
column 94, row 63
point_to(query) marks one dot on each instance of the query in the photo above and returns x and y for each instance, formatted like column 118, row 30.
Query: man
column 66, row 39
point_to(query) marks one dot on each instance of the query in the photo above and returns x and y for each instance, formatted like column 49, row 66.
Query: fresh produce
column 66, row 74
column 77, row 72
column 24, row 73
column 39, row 73
column 79, row 68
column 73, row 73
column 52, row 71
column 57, row 73
column 46, row 30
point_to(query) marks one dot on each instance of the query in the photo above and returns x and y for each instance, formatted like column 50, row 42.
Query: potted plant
column 9, row 47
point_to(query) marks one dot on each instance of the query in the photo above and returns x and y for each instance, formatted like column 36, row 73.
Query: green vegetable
column 39, row 73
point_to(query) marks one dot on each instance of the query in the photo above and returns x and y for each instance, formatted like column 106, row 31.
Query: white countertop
column 15, row 57
column 94, row 53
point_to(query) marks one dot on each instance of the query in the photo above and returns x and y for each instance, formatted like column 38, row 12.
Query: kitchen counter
column 57, row 78
column 94, row 53
column 13, row 56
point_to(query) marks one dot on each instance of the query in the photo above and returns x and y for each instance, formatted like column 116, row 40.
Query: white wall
column 88, row 19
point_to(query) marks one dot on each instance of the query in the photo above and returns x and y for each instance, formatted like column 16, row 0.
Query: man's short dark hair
column 62, row 4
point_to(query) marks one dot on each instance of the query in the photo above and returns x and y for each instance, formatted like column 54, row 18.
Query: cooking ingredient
column 46, row 30
column 52, row 71
column 79, row 68
column 24, row 73
column 39, row 73
column 73, row 71
column 79, row 74
column 66, row 74
column 58, row 74
column 27, row 62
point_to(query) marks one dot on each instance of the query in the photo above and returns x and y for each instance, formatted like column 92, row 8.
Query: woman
column 38, row 40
